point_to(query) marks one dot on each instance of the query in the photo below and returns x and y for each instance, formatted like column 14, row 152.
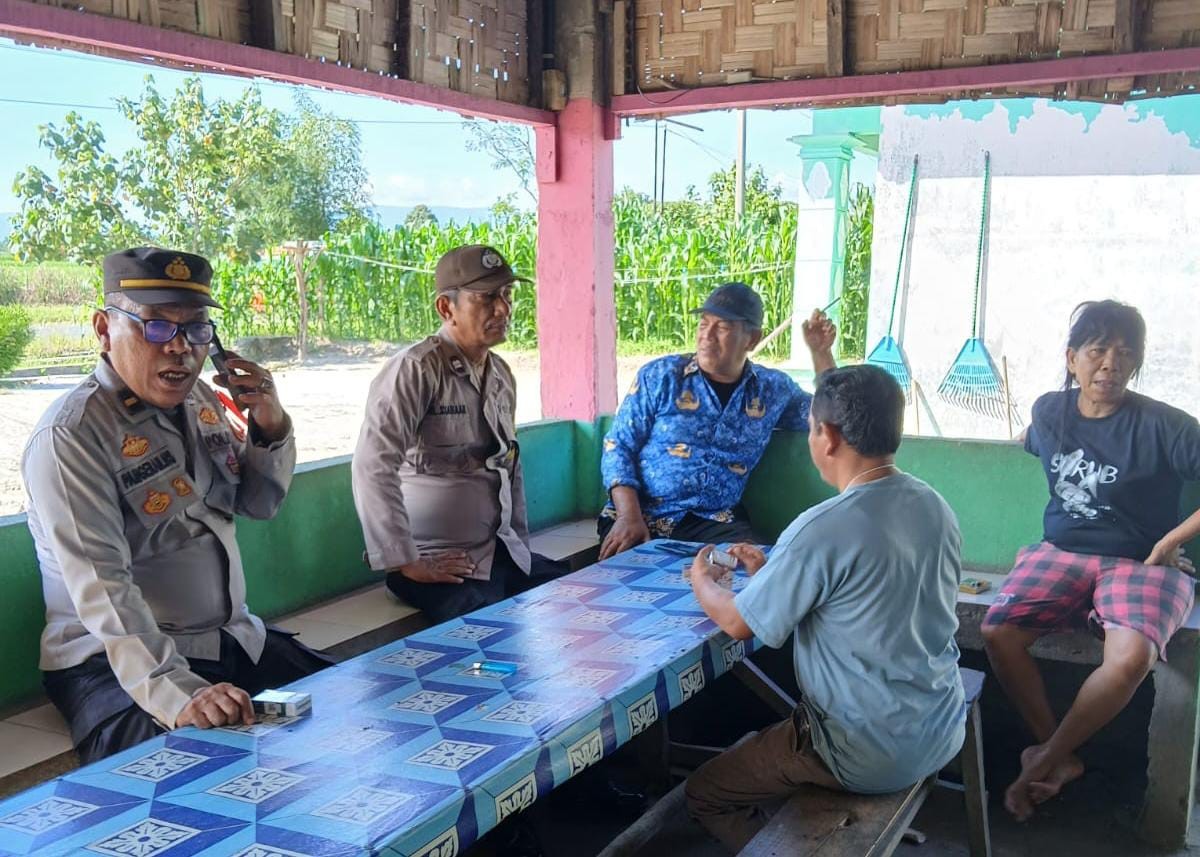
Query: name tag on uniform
column 133, row 476
column 449, row 410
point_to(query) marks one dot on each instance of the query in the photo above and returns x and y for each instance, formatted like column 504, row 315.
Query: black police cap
column 152, row 275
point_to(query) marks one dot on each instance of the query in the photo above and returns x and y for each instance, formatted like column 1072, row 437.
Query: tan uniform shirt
column 436, row 466
column 138, row 557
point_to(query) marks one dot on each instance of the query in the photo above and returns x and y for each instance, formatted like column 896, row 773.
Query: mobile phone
column 679, row 548
column 217, row 355
column 722, row 558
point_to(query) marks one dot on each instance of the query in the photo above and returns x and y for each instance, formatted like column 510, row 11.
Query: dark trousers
column 104, row 719
column 734, row 795
column 693, row 528
column 440, row 602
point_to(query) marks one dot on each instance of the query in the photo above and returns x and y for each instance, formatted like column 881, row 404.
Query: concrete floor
column 1083, row 823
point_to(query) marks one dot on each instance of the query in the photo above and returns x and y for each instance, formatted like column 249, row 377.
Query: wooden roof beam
column 979, row 80
column 33, row 22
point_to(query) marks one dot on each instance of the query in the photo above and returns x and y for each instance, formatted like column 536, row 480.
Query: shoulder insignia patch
column 181, row 486
column 156, row 502
column 232, row 462
column 209, row 417
column 134, row 446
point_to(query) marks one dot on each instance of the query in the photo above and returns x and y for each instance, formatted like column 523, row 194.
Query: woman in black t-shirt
column 1111, row 557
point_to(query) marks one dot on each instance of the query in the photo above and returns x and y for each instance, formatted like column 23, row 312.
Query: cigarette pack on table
column 282, row 703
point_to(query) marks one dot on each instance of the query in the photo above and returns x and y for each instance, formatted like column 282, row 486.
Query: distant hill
column 394, row 215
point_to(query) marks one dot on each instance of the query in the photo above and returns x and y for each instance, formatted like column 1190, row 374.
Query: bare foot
column 1049, row 783
column 1018, row 801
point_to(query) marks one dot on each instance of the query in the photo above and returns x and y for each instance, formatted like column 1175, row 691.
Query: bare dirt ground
column 325, row 396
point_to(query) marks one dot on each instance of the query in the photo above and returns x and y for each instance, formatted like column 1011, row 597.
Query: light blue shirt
column 867, row 580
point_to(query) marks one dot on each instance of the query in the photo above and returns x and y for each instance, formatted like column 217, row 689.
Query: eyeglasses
column 161, row 331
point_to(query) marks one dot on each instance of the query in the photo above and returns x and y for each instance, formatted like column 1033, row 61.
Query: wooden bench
column 817, row 822
column 1174, row 734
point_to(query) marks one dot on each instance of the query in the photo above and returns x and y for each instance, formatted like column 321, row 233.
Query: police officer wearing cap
column 693, row 426
column 437, row 471
column 134, row 478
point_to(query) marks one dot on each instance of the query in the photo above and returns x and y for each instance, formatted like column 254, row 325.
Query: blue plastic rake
column 972, row 382
column 887, row 354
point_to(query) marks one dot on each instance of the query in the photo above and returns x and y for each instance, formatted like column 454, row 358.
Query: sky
column 412, row 154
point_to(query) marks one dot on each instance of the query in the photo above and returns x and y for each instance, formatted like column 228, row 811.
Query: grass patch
column 46, row 350
column 60, row 313
column 47, row 283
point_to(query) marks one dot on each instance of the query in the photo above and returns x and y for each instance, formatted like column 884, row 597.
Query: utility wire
column 705, row 275
column 337, row 118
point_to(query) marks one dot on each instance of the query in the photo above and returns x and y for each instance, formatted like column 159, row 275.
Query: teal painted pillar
column 820, row 229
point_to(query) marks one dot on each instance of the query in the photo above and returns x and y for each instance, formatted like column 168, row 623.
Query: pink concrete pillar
column 577, row 327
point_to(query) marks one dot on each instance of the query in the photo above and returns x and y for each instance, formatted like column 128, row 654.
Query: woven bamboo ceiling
column 679, row 44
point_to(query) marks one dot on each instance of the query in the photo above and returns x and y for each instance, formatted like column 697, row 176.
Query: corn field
column 375, row 283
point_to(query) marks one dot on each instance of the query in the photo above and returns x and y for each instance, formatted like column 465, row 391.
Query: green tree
column 420, row 216
column 223, row 177
column 15, row 334
column 509, row 146
column 761, row 199
column 318, row 180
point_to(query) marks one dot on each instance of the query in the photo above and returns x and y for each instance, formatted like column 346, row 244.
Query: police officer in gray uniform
column 437, row 472
column 133, row 480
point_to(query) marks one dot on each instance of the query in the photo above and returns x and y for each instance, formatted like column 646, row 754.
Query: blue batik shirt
column 681, row 451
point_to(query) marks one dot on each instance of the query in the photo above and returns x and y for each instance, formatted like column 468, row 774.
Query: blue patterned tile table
column 410, row 750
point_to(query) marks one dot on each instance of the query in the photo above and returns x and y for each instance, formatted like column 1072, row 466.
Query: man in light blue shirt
column 867, row 583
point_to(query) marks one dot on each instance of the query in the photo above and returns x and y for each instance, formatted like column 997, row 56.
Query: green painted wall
column 21, row 612
column 313, row 547
column 549, row 455
column 996, row 489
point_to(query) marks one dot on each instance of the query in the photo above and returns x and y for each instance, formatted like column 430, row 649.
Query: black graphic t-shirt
column 1115, row 482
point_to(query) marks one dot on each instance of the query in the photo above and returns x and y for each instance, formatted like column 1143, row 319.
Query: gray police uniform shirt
column 437, row 466
column 867, row 581
column 134, row 530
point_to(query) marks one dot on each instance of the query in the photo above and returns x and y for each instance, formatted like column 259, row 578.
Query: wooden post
column 321, row 307
column 619, row 45
column 835, row 38
column 1126, row 18
column 299, row 250
column 575, row 307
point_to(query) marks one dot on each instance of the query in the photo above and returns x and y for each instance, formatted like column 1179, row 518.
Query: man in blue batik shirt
column 693, row 426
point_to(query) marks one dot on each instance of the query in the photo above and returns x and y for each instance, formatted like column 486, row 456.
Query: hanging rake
column 887, row 354
column 973, row 383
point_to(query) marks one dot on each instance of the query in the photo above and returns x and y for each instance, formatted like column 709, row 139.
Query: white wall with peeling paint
column 1085, row 205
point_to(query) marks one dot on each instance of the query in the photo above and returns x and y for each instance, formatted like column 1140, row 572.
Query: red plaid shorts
column 1051, row 590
